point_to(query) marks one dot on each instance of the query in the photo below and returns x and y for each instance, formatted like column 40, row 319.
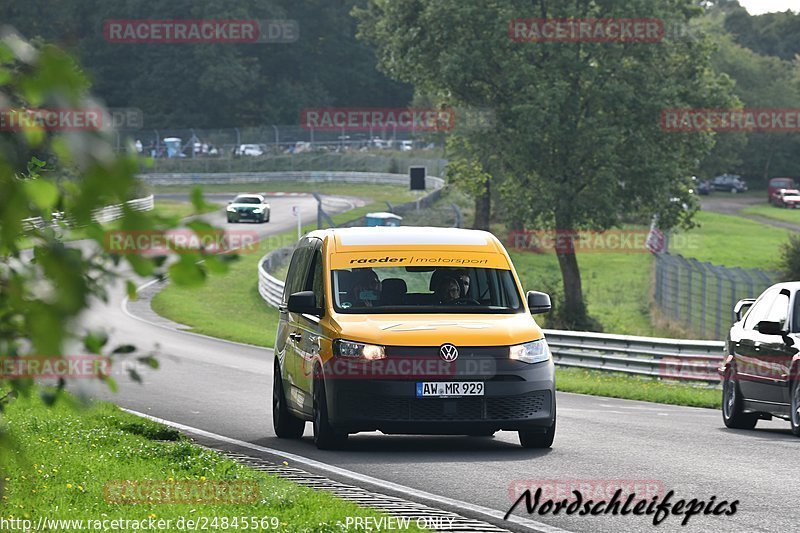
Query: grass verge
column 732, row 241
column 65, row 457
column 636, row 388
column 775, row 213
column 176, row 209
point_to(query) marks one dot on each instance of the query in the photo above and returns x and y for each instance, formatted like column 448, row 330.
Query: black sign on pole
column 417, row 175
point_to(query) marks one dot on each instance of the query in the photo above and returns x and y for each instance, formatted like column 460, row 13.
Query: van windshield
column 425, row 290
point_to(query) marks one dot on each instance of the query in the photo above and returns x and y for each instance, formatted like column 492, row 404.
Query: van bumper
column 520, row 399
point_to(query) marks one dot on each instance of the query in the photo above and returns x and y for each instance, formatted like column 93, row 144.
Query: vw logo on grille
column 448, row 352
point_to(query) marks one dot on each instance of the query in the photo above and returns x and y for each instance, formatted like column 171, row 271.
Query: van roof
column 409, row 238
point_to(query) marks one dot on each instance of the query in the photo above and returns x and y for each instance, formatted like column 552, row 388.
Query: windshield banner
column 418, row 259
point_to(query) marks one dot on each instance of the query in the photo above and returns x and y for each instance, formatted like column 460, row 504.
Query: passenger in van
column 448, row 290
column 366, row 290
column 463, row 280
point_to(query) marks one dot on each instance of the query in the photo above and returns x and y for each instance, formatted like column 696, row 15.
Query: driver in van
column 366, row 290
column 448, row 290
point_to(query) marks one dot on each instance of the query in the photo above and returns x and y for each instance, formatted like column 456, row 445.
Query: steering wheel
column 466, row 301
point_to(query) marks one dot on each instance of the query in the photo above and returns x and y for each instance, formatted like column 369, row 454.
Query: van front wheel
column 285, row 424
column 325, row 436
column 539, row 439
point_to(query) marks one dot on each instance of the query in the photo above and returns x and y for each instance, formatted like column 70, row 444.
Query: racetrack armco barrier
column 206, row 178
column 106, row 214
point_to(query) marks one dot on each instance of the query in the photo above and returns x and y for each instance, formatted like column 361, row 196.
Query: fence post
column 733, row 294
column 688, row 268
column 677, row 304
column 718, row 318
column 748, row 280
column 457, row 212
column 703, row 288
column 657, row 292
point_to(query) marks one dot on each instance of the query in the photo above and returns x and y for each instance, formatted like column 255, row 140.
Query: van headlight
column 531, row 352
column 358, row 350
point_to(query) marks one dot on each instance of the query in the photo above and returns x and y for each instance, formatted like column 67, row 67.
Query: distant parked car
column 729, row 182
column 760, row 377
column 701, row 187
column 377, row 142
column 251, row 150
column 776, row 184
column 787, row 198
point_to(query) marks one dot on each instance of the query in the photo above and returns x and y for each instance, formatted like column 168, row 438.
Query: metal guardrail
column 311, row 176
column 678, row 359
column 105, row 214
column 269, row 287
column 673, row 359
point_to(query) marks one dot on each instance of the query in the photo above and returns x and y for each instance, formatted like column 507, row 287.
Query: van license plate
column 441, row 389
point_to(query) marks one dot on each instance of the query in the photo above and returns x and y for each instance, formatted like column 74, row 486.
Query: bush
column 790, row 259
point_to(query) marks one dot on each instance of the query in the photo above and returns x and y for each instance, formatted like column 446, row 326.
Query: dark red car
column 776, row 184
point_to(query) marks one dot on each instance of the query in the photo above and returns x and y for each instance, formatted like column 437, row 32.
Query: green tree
column 790, row 259
column 772, row 34
column 46, row 284
column 760, row 82
column 217, row 85
column 577, row 124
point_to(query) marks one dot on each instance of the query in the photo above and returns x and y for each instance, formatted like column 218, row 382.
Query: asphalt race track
column 225, row 388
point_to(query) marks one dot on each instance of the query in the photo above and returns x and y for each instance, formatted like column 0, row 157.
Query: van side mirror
column 770, row 328
column 539, row 302
column 303, row 302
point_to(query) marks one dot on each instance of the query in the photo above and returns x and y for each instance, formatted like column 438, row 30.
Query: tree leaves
column 44, row 194
column 187, row 272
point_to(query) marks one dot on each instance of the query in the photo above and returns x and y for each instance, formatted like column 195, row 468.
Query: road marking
column 409, row 492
